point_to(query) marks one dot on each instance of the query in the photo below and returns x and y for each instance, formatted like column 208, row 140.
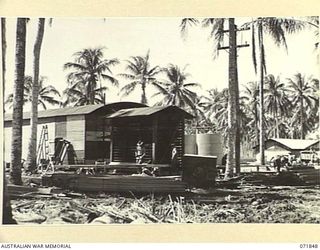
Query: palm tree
column 251, row 92
column 89, row 68
column 247, row 131
column 32, row 149
column 211, row 103
column 313, row 21
column 303, row 98
column 215, row 108
column 47, row 94
column 16, row 145
column 4, row 50
column 80, row 94
column 277, row 28
column 7, row 217
column 221, row 112
column 140, row 73
column 201, row 123
column 217, row 33
column 277, row 102
column 208, row 106
column 175, row 90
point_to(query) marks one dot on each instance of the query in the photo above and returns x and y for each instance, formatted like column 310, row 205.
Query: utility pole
column 233, row 102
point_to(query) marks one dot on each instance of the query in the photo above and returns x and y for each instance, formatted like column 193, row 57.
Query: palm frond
column 192, row 84
column 253, row 45
column 76, row 66
column 185, row 23
column 49, row 90
column 127, row 76
column 216, row 25
column 129, row 88
column 42, row 104
column 50, row 100
column 111, row 79
column 277, row 27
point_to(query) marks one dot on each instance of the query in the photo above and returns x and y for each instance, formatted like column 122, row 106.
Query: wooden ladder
column 43, row 146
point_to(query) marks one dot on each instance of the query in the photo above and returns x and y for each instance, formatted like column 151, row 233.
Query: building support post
column 154, row 139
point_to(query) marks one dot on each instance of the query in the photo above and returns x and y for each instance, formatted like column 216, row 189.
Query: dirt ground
column 244, row 204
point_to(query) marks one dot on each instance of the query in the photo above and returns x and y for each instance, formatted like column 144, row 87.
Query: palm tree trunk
column 93, row 86
column 32, row 150
column 7, row 217
column 143, row 96
column 256, row 124
column 237, row 113
column 4, row 50
column 277, row 125
column 232, row 102
column 16, row 146
column 302, row 118
column 261, row 94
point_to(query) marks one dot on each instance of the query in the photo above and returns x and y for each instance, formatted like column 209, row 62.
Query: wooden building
column 280, row 146
column 85, row 127
column 160, row 129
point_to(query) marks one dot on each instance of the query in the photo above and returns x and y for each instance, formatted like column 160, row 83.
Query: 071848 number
column 309, row 246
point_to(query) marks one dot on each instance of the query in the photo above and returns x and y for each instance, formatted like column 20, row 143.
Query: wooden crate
column 199, row 171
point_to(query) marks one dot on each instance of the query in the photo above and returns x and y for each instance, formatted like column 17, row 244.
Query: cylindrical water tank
column 210, row 144
column 190, row 146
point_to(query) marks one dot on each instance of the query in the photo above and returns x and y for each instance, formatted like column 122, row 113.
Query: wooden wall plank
column 61, row 127
column 75, row 132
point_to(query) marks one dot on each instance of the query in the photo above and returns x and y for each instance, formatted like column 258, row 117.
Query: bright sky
column 125, row 37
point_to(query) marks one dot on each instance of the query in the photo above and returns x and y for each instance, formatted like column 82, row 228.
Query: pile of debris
column 246, row 204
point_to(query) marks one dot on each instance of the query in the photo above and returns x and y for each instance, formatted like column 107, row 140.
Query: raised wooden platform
column 112, row 165
column 125, row 168
column 115, row 183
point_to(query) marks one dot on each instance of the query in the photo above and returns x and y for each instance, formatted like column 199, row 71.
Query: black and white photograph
column 160, row 120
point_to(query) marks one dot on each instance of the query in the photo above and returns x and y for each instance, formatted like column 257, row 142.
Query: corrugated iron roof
column 60, row 112
column 295, row 144
column 146, row 111
column 81, row 110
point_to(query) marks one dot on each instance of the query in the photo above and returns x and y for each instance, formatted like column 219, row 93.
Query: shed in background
column 280, row 146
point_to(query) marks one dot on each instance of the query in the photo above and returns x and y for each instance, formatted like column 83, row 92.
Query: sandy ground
column 245, row 204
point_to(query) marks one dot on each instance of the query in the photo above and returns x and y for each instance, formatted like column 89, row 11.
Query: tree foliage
column 88, row 71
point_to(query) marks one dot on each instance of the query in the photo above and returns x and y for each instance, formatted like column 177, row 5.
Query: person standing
column 174, row 157
column 140, row 152
column 276, row 163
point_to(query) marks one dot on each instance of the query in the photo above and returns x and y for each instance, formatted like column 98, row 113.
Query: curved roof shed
column 84, row 127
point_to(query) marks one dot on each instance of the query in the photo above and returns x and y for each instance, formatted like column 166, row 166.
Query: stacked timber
column 15, row 190
column 139, row 184
column 58, row 179
column 119, row 183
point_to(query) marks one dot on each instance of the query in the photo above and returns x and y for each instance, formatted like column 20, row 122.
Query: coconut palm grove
column 167, row 120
